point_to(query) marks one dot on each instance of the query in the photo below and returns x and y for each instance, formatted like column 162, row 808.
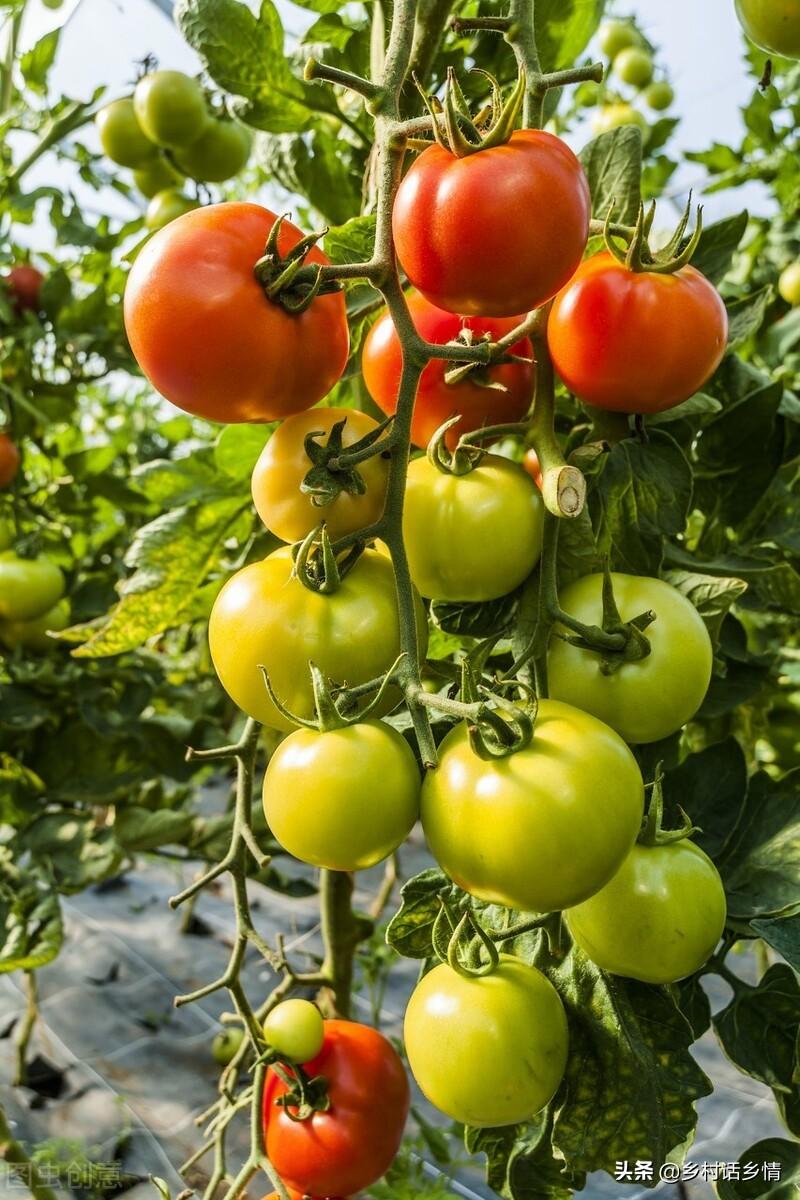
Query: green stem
column 12, row 1152
column 7, row 89
column 26, row 1027
column 342, row 931
column 74, row 117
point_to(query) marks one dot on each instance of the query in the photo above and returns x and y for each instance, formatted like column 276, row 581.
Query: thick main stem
column 26, row 1027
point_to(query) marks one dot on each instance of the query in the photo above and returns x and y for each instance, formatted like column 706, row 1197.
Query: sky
column 701, row 42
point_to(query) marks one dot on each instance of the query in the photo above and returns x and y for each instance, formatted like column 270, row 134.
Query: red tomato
column 534, row 468
column 299, row 1196
column 497, row 232
column 347, row 1148
column 636, row 341
column 204, row 332
column 24, row 284
column 9, row 460
column 436, row 400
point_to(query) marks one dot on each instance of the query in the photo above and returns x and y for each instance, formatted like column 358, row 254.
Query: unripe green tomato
column 614, row 36
column 171, row 108
column 121, row 136
column 588, row 94
column 634, row 66
column 166, row 206
column 157, row 176
column 220, row 152
column 774, row 25
column 29, row 587
column 659, row 95
column 789, row 284
column 295, row 1030
column 612, row 116
column 32, row 635
column 225, row 1044
column 52, row 3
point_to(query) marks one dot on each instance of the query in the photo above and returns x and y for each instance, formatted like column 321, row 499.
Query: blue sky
column 701, row 42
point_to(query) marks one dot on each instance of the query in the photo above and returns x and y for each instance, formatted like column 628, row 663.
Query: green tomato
column 264, row 616
column 225, row 1044
column 220, row 152
column 588, row 94
column 157, row 176
column 659, row 95
column 295, row 1030
column 644, row 700
column 614, row 36
column 6, row 533
column 634, row 66
column 29, row 587
column 166, row 206
column 488, row 1050
column 612, row 116
column 54, row 4
column 320, row 789
column 171, row 108
column 527, row 830
column 32, row 635
column 774, row 25
column 659, row 918
column 471, row 537
column 121, row 135
column 789, row 284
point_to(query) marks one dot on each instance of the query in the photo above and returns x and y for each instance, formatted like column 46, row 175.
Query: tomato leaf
column 521, row 1163
column 613, row 166
column 711, row 595
column 475, row 620
column 761, row 863
column 564, row 28
column 783, row 934
column 30, row 917
column 711, row 786
column 715, row 250
column 745, row 316
column 70, row 846
column 410, row 931
column 140, row 829
column 771, row 1152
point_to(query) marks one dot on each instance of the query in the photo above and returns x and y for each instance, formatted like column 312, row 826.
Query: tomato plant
column 634, row 66
column 207, row 336
column 646, row 699
column 487, row 396
column 170, row 108
column 487, row 1050
column 283, row 465
column 446, row 203
column 29, row 587
column 476, row 813
column 636, row 341
column 121, row 135
column 474, row 536
column 225, row 1044
column 320, row 788
column 9, row 460
column 349, row 1145
column 221, row 151
column 24, row 283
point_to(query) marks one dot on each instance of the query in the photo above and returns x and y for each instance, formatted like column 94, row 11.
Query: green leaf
column 613, row 166
column 140, row 829
column 783, row 934
column 776, row 585
column 746, row 316
column 35, row 64
column 756, row 1184
column 711, row 786
column 714, row 253
column 74, row 849
column 521, row 1163
column 410, row 931
column 238, row 447
column 329, row 30
column 31, row 928
column 564, row 29
column 761, row 864
column 711, row 595
column 699, row 405
column 475, row 620
column 759, row 1032
column 641, row 496
column 172, row 556
column 319, row 167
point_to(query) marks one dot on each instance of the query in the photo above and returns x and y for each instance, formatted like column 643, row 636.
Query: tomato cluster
column 167, row 132
column 32, row 602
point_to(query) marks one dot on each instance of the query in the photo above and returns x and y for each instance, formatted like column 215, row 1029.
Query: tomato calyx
column 316, row 564
column 333, row 711
column 617, row 641
column 638, row 256
column 306, row 1094
column 335, row 470
column 280, row 275
column 460, row 461
column 652, row 832
column 462, row 134
column 499, row 727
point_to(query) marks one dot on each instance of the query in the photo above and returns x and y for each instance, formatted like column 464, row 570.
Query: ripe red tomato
column 636, row 341
column 351, row 1145
column 24, row 284
column 497, row 232
column 436, row 401
column 9, row 460
column 205, row 334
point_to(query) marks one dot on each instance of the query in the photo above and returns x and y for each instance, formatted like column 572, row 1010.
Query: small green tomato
column 225, row 1044
column 789, row 284
column 659, row 95
column 634, row 66
column 295, row 1030
column 614, row 36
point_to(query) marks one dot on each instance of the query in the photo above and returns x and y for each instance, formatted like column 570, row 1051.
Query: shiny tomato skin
column 497, row 232
column 295, row 1030
column 471, row 537
column 24, row 284
column 9, row 460
column 660, row 917
column 121, row 136
column 646, row 700
column 283, row 464
column 628, row 341
column 351, row 1145
column 265, row 617
column 205, row 334
column 320, row 793
column 543, row 828
column 437, row 401
column 33, row 634
column 29, row 587
column 488, row 1050
column 774, row 25
column 220, row 152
